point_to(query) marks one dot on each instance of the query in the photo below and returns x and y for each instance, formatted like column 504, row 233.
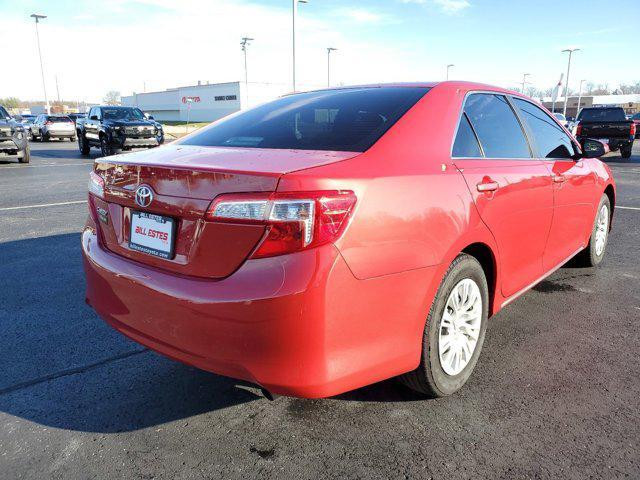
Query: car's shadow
column 65, row 368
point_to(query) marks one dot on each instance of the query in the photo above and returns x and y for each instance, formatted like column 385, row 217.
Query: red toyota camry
column 332, row 239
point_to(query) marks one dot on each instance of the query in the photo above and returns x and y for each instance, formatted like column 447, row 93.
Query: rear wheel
column 626, row 150
column 454, row 331
column 45, row 137
column 593, row 255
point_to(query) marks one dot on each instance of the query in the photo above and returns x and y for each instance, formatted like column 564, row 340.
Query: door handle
column 559, row 178
column 487, row 186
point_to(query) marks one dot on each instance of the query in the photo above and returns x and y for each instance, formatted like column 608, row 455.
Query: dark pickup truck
column 114, row 128
column 14, row 143
column 609, row 125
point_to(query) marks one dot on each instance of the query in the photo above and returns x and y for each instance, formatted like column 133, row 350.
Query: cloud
column 447, row 6
column 360, row 15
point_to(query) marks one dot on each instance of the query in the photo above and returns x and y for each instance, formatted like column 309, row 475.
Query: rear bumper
column 614, row 143
column 298, row 325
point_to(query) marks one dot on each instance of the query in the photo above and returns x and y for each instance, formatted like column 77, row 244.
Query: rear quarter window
column 339, row 120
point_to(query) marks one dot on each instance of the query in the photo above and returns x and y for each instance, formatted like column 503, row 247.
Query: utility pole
column 579, row 98
column 524, row 80
column 448, row 67
column 244, row 43
column 58, row 90
column 37, row 18
column 329, row 50
column 566, row 88
column 293, row 31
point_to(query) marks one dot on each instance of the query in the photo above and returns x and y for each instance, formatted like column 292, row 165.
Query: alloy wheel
column 602, row 229
column 460, row 326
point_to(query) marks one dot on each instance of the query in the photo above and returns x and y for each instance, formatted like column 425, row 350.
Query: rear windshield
column 602, row 115
column 59, row 119
column 349, row 120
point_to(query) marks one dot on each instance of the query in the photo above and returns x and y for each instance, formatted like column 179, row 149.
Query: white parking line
column 43, row 205
column 627, row 208
column 45, row 165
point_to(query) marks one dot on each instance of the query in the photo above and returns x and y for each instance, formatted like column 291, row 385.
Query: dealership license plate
column 152, row 234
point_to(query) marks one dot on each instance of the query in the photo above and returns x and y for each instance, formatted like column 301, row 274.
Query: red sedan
column 332, row 239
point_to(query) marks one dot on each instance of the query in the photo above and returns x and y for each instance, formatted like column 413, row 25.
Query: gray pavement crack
column 70, row 371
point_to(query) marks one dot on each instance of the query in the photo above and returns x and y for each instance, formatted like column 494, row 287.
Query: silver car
column 47, row 127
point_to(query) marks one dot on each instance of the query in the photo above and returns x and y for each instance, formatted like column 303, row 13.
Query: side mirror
column 593, row 148
column 93, row 117
column 150, row 117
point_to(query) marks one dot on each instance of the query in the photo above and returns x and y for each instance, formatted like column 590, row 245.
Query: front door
column 573, row 184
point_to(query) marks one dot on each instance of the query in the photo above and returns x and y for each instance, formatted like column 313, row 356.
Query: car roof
column 462, row 85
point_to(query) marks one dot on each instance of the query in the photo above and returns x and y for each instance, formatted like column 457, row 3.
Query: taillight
column 48, row 122
column 96, row 184
column 294, row 221
column 578, row 129
column 633, row 129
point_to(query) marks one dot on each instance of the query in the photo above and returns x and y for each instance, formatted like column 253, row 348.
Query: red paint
column 343, row 313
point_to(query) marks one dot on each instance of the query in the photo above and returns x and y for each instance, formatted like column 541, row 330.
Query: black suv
column 114, row 128
column 13, row 139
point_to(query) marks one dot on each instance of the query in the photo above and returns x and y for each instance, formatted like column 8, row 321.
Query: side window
column 466, row 144
column 496, row 125
column 551, row 140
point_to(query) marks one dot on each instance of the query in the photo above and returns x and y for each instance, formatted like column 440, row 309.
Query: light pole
column 566, row 88
column 189, row 100
column 293, row 31
column 329, row 50
column 579, row 97
column 448, row 67
column 244, row 43
column 37, row 18
column 524, row 80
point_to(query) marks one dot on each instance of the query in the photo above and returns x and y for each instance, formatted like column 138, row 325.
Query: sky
column 94, row 46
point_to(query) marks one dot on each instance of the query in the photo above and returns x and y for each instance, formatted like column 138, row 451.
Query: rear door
column 573, row 184
column 511, row 189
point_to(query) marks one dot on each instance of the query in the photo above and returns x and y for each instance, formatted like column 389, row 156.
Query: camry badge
column 144, row 196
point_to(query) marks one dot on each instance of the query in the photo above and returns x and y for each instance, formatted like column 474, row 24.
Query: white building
column 202, row 102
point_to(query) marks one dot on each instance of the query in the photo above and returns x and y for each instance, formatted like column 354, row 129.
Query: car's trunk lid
column 184, row 180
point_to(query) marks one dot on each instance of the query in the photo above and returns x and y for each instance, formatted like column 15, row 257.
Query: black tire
column 72, row 139
column 45, row 137
column 27, row 155
column 589, row 257
column 105, row 147
column 429, row 378
column 83, row 145
column 625, row 151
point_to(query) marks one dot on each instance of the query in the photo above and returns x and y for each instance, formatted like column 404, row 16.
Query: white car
column 47, row 127
column 562, row 119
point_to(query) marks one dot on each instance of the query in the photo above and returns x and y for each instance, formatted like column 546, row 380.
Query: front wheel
column 593, row 255
column 105, row 147
column 83, row 145
column 625, row 151
column 26, row 157
column 454, row 331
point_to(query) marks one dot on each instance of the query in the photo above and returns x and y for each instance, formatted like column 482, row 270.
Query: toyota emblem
column 144, row 196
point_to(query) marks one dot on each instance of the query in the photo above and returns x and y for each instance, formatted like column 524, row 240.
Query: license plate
column 152, row 234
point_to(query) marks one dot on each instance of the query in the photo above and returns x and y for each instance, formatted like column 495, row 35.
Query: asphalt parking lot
column 556, row 393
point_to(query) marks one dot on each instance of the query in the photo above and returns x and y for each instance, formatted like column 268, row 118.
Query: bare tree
column 112, row 97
